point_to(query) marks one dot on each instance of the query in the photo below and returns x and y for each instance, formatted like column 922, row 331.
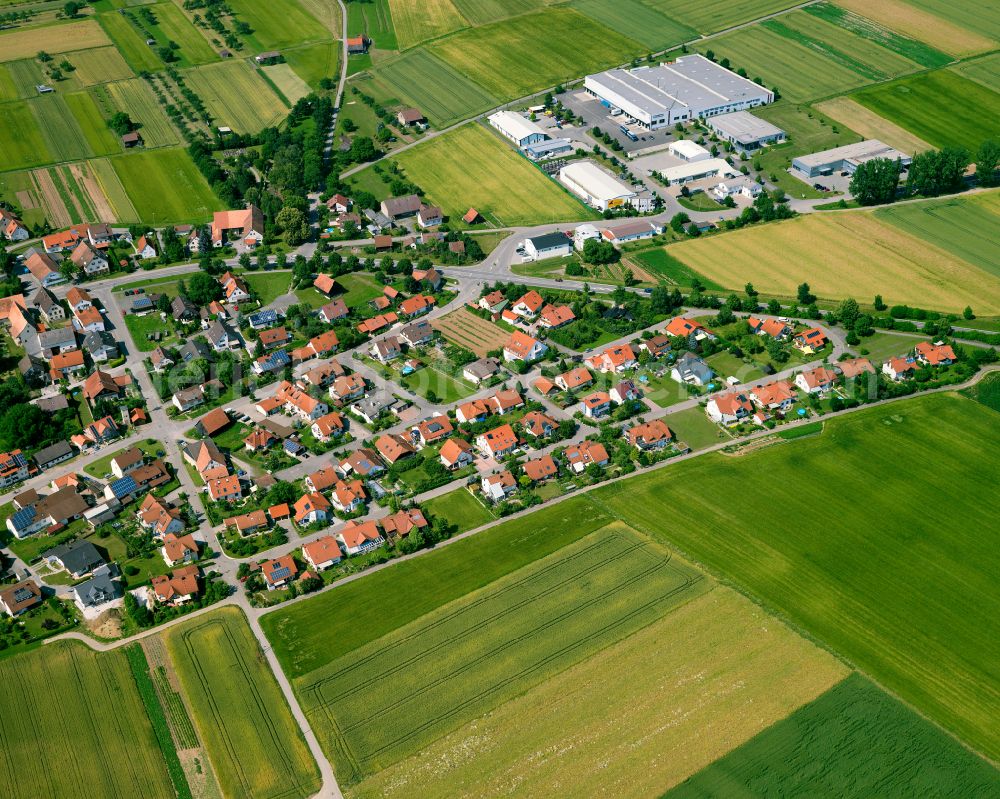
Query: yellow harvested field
column 687, row 689
column 900, row 16
column 416, row 22
column 842, row 254
column 465, row 329
column 291, row 86
column 866, row 122
column 52, row 39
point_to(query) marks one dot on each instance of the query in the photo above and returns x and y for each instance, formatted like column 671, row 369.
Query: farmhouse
column 596, row 187
column 518, row 129
column 246, row 225
column 847, row 158
column 745, row 131
column 548, row 245
column 396, row 208
column 411, row 116
column 689, row 88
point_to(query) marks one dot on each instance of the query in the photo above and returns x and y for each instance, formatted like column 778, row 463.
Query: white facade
column 517, row 128
column 687, row 150
column 583, row 233
column 594, row 186
column 711, row 168
column 737, row 187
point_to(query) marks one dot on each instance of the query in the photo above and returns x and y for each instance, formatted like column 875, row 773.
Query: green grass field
column 482, row 12
column 913, row 103
column 21, row 139
column 375, row 21
column 985, row 71
column 969, row 227
column 314, row 62
column 174, row 26
column 236, row 96
column 256, row 748
column 286, row 82
column 440, row 91
column 136, row 98
column 387, row 700
column 139, row 55
column 986, row 391
column 165, row 186
column 417, row 22
column 297, row 26
column 269, row 286
column 896, row 574
column 853, row 742
column 916, row 51
column 459, row 508
column 309, row 635
column 709, row 16
column 112, row 187
column 638, row 21
column 101, row 140
column 100, row 65
column 359, row 289
column 60, row 130
column 472, row 168
column 82, row 729
column 505, row 58
column 661, row 263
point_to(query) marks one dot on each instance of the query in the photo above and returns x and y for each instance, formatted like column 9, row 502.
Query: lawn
column 853, row 742
column 604, row 727
column 314, row 62
column 102, row 466
column 430, row 379
column 268, row 285
column 165, row 186
column 442, row 92
column 896, row 576
column 882, row 346
column 309, row 635
column 709, row 16
column 417, row 22
column 914, row 104
column 256, row 748
column 472, row 168
column 359, row 289
column 850, row 254
column 136, row 98
column 968, row 227
column 726, row 365
column 459, row 508
column 693, row 427
column 236, row 96
column 505, row 57
column 87, row 733
column 387, row 700
column 297, row 26
column 637, row 20
column 54, row 39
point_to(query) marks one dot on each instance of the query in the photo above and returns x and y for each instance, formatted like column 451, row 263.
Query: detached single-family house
column 816, row 381
column 522, row 347
column 614, row 359
column 692, row 369
column 596, row 405
column 498, row 442
column 776, row 396
column 456, row 453
column 650, row 435
column 811, row 340
column 934, row 354
column 900, row 368
column 497, row 487
column 356, row 537
column 322, row 553
column 729, row 408
column 769, row 327
column 580, row 456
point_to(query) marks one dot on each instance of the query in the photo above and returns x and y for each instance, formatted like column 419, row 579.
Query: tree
column 72, row 9
column 750, row 291
column 937, row 171
column 773, row 307
column 879, row 303
column 875, row 182
column 202, row 289
column 597, row 251
column 967, row 313
column 987, row 163
column 293, row 224
column 804, row 295
column 848, row 312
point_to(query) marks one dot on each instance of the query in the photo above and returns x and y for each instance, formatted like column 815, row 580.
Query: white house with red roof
column 729, row 408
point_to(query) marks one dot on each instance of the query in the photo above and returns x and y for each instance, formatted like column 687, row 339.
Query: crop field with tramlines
column 471, row 332
column 390, row 698
column 256, row 748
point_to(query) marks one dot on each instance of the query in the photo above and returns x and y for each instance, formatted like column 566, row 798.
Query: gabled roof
column 453, row 448
column 541, row 468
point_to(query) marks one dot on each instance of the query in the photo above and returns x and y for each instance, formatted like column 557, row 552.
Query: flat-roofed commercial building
column 594, row 186
column 847, row 158
column 685, row 173
column 689, row 88
column 517, row 128
column 745, row 131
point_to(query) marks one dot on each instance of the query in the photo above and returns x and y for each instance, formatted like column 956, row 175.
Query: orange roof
column 774, row 393
column 307, row 503
column 453, row 448
column 820, row 376
column 731, row 404
column 520, row 344
column 532, row 300
column 500, row 438
column 64, row 360
column 224, row 486
column 416, row 304
column 329, row 423
column 679, row 326
column 901, row 365
column 597, row 399
column 555, row 315
column 541, row 468
column 183, row 582
column 248, row 521
column 934, row 354
column 357, row 534
column 279, row 570
column 322, row 550
column 855, row 366
column 323, row 478
column 276, row 335
column 277, row 512
column 404, row 521
column 325, row 283
column 577, row 377
column 649, row 433
column 89, row 316
column 176, row 547
column 586, row 452
column 393, row 447
column 507, row 399
column 544, row 386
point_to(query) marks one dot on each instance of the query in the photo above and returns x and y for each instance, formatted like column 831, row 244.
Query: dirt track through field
column 56, row 212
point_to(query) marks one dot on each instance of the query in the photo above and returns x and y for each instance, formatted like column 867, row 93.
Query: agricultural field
column 84, row 730
column 136, row 98
column 984, row 70
column 236, row 95
column 459, row 508
column 62, row 134
column 968, row 227
column 100, row 65
column 983, row 19
column 111, row 187
column 100, row 139
column 852, row 742
column 297, row 26
column 863, row 589
column 21, row 78
column 637, row 20
column 388, row 699
column 914, row 103
column 21, row 140
column 660, row 263
column 19, row 186
column 691, row 675
column 910, row 48
column 71, row 193
column 464, row 329
column 257, row 749
column 848, row 254
column 505, row 58
column 165, row 186
column 986, row 391
column 314, row 62
column 375, row 21
column 471, row 167
column 440, row 91
column 417, row 22
column 130, row 43
column 291, row 87
column 482, row 12
column 173, row 26
column 905, row 18
column 53, row 39
column 310, row 635
column 870, row 125
column 709, row 16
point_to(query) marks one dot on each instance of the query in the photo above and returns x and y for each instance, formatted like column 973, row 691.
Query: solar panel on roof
column 280, row 573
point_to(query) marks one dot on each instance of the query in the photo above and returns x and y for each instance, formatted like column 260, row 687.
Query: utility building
column 847, row 158
column 515, row 127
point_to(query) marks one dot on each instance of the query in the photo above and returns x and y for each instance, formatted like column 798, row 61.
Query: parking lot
column 595, row 114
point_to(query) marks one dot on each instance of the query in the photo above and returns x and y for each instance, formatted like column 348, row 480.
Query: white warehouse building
column 518, row 129
column 596, row 187
column 689, row 88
